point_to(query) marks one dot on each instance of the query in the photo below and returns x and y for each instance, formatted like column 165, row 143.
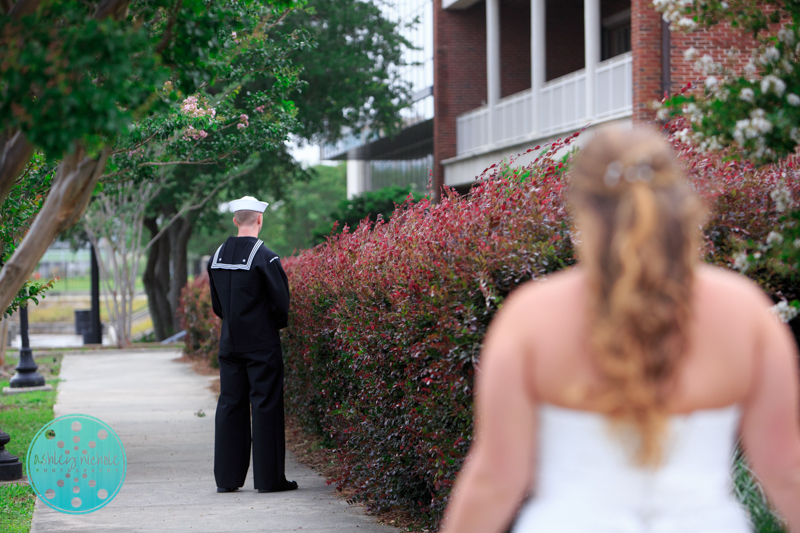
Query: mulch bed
column 309, row 451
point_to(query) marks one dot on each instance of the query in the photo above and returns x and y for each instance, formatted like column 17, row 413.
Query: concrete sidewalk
column 150, row 400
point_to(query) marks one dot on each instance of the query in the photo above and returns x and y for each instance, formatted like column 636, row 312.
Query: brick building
column 508, row 75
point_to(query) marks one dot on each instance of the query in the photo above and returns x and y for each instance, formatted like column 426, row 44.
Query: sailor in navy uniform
column 250, row 293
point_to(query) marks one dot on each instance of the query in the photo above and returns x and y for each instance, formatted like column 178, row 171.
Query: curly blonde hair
column 639, row 224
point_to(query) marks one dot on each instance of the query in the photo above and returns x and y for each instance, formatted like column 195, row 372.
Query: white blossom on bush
column 747, row 94
column 796, row 243
column 774, row 84
column 793, row 99
column 783, row 311
column 740, row 262
column 752, row 128
column 774, row 238
column 244, row 121
column 684, row 136
column 786, row 36
column 782, row 197
column 770, row 55
column 690, row 54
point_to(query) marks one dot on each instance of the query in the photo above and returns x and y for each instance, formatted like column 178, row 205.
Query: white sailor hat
column 248, row 203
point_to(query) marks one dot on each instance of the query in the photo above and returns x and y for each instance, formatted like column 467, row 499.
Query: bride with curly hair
column 614, row 393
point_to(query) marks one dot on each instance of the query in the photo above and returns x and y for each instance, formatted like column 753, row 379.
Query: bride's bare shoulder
column 548, row 296
column 725, row 286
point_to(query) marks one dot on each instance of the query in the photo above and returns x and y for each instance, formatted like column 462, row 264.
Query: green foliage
column 757, row 110
column 199, row 321
column 22, row 416
column 21, row 206
column 353, row 71
column 371, row 205
column 306, row 207
column 69, row 78
column 751, row 494
column 16, row 508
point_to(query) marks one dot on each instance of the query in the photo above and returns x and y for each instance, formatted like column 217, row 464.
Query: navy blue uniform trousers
column 250, row 379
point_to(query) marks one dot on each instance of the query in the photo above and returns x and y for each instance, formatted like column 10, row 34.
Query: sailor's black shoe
column 285, row 486
column 227, row 489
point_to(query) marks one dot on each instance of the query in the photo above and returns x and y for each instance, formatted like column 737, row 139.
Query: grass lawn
column 82, row 284
column 64, row 311
column 21, row 416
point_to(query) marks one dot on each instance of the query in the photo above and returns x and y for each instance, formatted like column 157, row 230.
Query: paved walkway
column 151, row 401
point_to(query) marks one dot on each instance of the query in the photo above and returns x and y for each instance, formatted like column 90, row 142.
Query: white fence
column 561, row 106
column 614, row 87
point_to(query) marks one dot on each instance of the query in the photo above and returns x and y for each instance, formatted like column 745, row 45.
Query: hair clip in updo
column 641, row 171
column 613, row 174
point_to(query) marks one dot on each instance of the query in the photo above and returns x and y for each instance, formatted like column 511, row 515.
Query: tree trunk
column 16, row 153
column 69, row 195
column 3, row 341
column 179, row 235
column 156, row 282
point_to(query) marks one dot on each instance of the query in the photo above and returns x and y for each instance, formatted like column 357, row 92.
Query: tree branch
column 207, row 161
column 70, row 193
column 116, row 9
column 186, row 209
column 162, row 45
column 135, row 146
column 24, row 7
column 17, row 153
column 280, row 19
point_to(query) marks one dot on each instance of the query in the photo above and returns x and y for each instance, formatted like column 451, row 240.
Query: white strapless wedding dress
column 587, row 484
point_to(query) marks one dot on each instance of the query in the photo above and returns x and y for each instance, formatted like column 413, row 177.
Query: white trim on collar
column 216, row 264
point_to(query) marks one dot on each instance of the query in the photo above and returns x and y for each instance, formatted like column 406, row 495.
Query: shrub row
column 387, row 320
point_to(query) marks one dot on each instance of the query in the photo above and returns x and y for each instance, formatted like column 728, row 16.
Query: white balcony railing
column 562, row 103
column 614, row 89
column 472, row 130
column 513, row 117
column 561, row 106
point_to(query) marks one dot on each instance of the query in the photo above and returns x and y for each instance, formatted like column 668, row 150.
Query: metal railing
column 561, row 107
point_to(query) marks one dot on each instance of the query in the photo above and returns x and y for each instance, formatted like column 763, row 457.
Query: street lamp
column 26, row 375
column 10, row 467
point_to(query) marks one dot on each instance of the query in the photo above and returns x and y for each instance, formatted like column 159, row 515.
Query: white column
column 492, row 60
column 357, row 177
column 538, row 57
column 591, row 32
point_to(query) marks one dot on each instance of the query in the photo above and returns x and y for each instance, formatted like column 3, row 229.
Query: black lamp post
column 96, row 336
column 26, row 375
column 10, row 467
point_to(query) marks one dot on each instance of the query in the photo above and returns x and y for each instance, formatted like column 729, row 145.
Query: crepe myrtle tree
column 75, row 76
column 344, row 57
column 198, row 148
column 753, row 113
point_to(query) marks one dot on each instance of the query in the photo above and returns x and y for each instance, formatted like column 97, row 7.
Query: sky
column 307, row 155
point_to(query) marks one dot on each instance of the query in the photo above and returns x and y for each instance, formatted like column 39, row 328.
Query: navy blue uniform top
column 250, row 293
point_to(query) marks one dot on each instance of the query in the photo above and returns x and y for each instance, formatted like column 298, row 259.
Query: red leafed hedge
column 387, row 321
column 199, row 321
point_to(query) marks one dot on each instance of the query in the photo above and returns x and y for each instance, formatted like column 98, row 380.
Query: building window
column 616, row 34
